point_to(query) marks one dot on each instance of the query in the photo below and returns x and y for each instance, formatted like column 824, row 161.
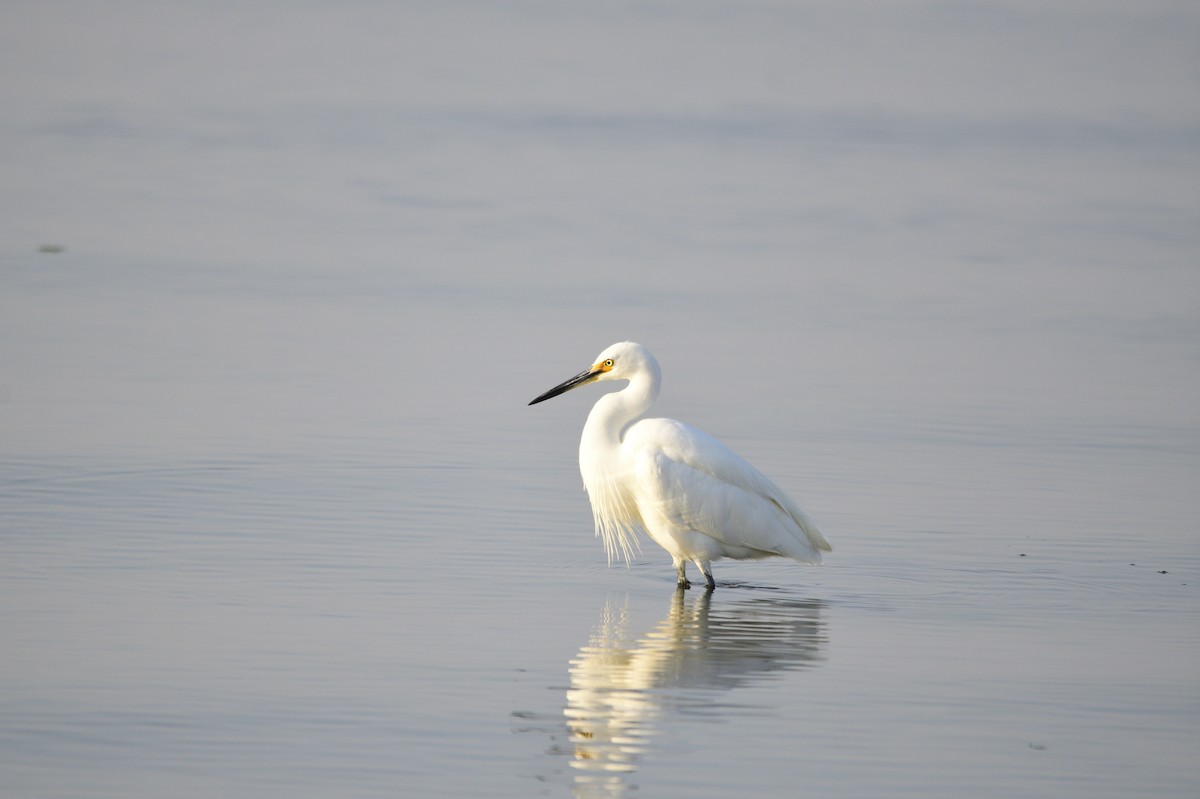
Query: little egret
column 691, row 494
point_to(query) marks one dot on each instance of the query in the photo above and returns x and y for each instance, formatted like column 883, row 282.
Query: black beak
column 586, row 376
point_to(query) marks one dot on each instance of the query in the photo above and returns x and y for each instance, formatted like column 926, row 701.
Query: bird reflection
column 624, row 687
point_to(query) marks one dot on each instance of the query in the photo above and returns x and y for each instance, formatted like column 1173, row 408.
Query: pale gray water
column 275, row 519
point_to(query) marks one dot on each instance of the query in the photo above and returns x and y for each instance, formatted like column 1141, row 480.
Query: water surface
column 275, row 519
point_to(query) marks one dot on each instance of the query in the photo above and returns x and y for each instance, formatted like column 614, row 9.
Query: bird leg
column 709, row 582
column 680, row 573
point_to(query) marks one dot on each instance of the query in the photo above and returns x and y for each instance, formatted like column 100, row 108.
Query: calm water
column 275, row 519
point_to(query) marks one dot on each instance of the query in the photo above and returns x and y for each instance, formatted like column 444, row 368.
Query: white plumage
column 690, row 493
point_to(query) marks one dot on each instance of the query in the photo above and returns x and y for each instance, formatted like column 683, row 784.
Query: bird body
column 688, row 492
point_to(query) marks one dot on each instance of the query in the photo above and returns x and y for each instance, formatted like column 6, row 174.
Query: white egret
column 692, row 495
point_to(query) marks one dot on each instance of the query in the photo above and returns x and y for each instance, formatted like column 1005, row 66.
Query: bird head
column 622, row 361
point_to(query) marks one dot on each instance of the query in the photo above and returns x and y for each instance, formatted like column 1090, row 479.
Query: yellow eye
column 608, row 364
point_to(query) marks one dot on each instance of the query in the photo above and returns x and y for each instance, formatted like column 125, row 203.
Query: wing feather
column 699, row 483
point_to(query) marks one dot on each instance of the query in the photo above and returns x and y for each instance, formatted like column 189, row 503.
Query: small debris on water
column 51, row 248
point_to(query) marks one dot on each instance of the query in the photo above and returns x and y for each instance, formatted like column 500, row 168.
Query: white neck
column 613, row 413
